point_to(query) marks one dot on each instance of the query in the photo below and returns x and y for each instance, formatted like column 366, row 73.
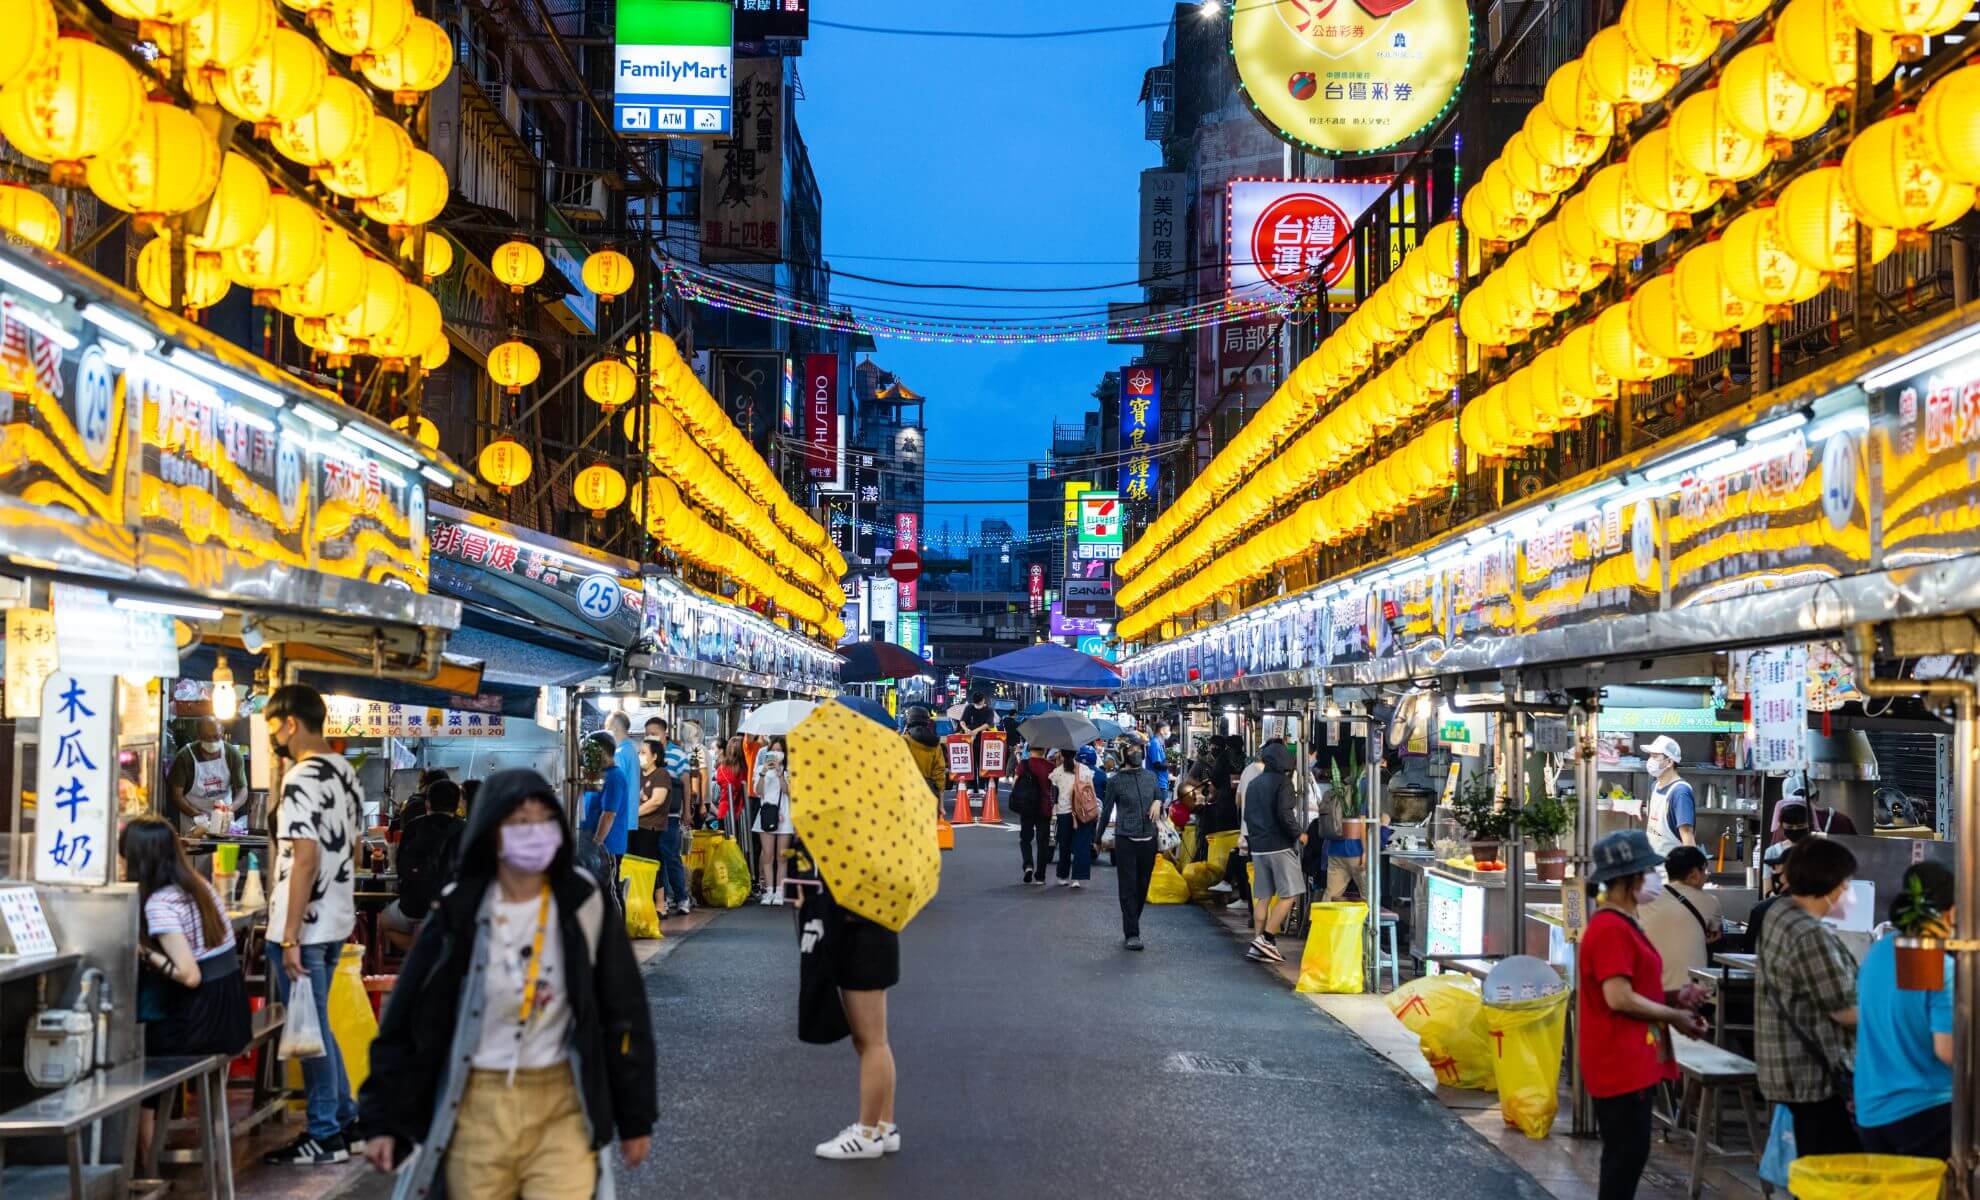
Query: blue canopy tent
column 1051, row 666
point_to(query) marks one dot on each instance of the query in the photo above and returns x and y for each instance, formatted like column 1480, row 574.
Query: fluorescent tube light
column 1849, row 420
column 1774, row 428
column 226, row 377
column 1923, row 361
column 173, row 608
column 1672, row 467
column 119, row 326
column 437, row 478
column 26, row 280
column 43, row 325
column 249, row 418
column 365, row 438
column 317, row 417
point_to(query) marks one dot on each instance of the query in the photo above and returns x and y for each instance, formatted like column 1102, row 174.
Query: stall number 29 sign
column 598, row 596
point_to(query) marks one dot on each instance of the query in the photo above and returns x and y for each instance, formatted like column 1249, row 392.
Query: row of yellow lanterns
column 1424, row 466
column 675, row 524
column 1903, row 174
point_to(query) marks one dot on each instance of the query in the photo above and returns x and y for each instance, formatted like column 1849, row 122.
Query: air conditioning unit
column 578, row 195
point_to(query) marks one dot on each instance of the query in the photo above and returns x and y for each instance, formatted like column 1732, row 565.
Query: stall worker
column 1673, row 809
column 208, row 773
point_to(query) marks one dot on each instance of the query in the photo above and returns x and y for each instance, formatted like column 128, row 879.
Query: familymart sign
column 672, row 67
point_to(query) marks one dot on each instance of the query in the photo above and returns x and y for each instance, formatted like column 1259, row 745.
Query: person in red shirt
column 1624, row 1019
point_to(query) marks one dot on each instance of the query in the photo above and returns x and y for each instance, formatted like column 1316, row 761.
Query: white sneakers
column 858, row 1141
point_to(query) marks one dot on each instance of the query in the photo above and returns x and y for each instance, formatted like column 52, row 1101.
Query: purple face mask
column 531, row 847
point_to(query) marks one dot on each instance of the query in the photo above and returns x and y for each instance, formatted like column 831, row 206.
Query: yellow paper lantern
column 1485, row 222
column 1582, row 373
column 1575, row 103
column 1524, row 286
column 359, row 29
column 505, row 464
column 417, row 63
column 1661, row 327
column 1522, row 205
column 1761, row 98
column 1892, row 182
column 436, row 256
column 598, row 489
column 1580, row 239
column 30, row 216
column 417, row 199
column 1617, row 213
column 1619, row 350
column 1663, row 179
column 1729, row 15
column 374, row 168
column 201, row 282
column 337, row 124
column 223, row 34
column 1758, row 267
column 608, row 273
column 285, row 250
column 1545, row 391
column 282, row 79
column 1528, row 172
column 436, row 354
column 31, row 35
column 1949, row 120
column 1551, row 264
column 333, row 287
column 1557, row 144
column 517, row 264
column 514, row 366
column 1699, row 284
column 1623, row 76
column 1907, row 22
column 1522, row 410
column 1817, row 44
column 609, row 383
column 1670, row 32
column 381, row 301
column 78, row 100
column 167, row 164
column 1818, row 227
column 415, row 331
column 419, row 429
column 1710, row 144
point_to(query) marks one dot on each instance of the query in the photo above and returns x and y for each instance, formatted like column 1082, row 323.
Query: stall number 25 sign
column 598, row 596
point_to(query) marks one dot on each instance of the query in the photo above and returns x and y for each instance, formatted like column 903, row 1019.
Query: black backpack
column 1024, row 794
column 426, row 854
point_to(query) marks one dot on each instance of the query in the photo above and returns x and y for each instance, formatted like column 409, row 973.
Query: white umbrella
column 777, row 718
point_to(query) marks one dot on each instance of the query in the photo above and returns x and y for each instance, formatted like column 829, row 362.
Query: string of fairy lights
column 954, row 541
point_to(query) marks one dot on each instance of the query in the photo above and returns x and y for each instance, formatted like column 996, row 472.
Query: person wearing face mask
column 207, row 773
column 1805, row 1000
column 316, row 824
column 1775, row 860
column 1673, row 810
column 518, row 1044
column 1622, row 1016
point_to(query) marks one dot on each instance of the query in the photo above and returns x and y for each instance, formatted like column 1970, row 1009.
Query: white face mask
column 1659, row 764
column 1839, row 907
column 212, row 747
column 1651, row 888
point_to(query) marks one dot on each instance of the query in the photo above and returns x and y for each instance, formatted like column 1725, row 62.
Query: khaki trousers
column 521, row 1141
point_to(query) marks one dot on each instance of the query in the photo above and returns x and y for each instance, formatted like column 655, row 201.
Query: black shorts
column 867, row 957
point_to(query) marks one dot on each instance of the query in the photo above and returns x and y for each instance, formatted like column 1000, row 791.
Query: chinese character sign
column 1162, row 241
column 961, row 759
column 821, row 416
column 76, row 789
column 1284, row 230
column 1778, row 680
column 907, row 536
column 30, row 658
column 1035, row 581
column 1141, row 425
column 993, row 755
column 742, row 177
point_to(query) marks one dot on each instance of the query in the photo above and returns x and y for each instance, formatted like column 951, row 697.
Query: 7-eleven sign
column 1100, row 518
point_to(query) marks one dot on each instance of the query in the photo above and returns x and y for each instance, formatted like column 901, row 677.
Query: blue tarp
column 1050, row 665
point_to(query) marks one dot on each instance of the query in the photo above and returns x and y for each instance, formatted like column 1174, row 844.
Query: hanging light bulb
column 226, row 700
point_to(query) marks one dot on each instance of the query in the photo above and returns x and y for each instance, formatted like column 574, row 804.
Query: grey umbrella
column 1058, row 731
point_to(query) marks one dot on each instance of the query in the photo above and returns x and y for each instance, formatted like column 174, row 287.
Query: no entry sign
column 905, row 565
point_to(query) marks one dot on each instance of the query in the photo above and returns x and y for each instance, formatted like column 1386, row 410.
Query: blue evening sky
column 983, row 149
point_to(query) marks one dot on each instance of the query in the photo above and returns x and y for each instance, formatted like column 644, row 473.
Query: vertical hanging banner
column 1162, row 202
column 1035, row 585
column 742, row 177
column 821, row 416
column 672, row 67
column 1141, row 421
column 76, row 780
column 1278, row 231
column 749, row 382
column 907, row 536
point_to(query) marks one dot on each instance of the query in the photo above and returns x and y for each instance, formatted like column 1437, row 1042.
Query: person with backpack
column 1076, row 810
column 425, row 864
column 518, row 1043
column 1273, row 835
column 1137, row 802
column 1031, row 799
column 925, row 747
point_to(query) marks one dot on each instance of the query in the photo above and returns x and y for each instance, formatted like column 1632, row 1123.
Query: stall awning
column 511, row 661
column 1050, row 665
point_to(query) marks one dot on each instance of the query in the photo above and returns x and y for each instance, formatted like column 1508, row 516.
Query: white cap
column 1666, row 746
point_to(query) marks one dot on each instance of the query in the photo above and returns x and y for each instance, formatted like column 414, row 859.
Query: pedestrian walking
column 1273, row 834
column 846, row 963
column 1904, row 1039
column 668, row 815
column 317, row 825
column 1075, row 810
column 730, row 780
column 1032, row 798
column 925, row 747
column 1623, row 1017
column 1805, row 1015
column 773, row 819
column 1137, row 802
column 518, row 1044
column 610, row 808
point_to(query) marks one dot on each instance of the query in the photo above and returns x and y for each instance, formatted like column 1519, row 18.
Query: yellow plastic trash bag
column 642, row 876
column 1221, row 845
column 1445, row 1012
column 352, row 1022
column 1186, row 853
column 1851, row 1176
column 1166, row 885
column 1199, row 876
column 1526, row 1036
column 1331, row 961
column 725, row 880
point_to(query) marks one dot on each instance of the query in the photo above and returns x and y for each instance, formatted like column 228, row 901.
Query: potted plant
column 1484, row 821
column 1921, row 945
column 1545, row 819
column 1353, row 803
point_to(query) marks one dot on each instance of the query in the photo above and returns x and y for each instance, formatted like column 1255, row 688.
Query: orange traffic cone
column 992, row 815
column 962, row 815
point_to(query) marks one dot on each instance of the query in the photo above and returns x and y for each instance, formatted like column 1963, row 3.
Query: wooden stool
column 1708, row 1071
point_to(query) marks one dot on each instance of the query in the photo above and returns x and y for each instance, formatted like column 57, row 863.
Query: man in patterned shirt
column 1805, row 1019
column 311, row 905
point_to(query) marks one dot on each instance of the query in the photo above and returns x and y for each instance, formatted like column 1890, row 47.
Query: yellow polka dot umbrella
column 862, row 809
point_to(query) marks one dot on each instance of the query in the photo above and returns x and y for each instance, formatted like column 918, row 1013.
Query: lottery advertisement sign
column 1340, row 77
column 1279, row 231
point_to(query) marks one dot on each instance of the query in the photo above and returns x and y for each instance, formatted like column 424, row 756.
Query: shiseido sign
column 821, row 415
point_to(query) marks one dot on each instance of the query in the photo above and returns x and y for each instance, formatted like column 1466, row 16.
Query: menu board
column 350, row 717
column 1792, row 517
column 1478, row 593
column 1608, row 564
column 221, row 470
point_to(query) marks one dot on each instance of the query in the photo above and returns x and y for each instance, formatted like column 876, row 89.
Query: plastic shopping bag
column 353, row 1022
column 1166, row 885
column 1781, row 1151
column 725, row 880
column 1200, row 876
column 1527, row 1037
column 1445, row 1012
column 1331, row 961
column 302, row 1033
column 641, row 875
column 1221, row 845
column 1851, row 1176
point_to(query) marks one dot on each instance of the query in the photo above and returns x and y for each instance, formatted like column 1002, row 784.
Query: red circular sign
column 1294, row 234
column 905, row 565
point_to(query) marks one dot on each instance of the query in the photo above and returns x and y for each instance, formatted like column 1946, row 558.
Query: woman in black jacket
column 517, row 1044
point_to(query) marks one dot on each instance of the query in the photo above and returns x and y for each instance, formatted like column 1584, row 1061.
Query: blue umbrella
column 1108, row 729
column 870, row 662
column 873, row 710
column 1038, row 708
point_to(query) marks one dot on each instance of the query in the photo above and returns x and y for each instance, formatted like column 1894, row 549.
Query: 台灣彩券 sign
column 1282, row 231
